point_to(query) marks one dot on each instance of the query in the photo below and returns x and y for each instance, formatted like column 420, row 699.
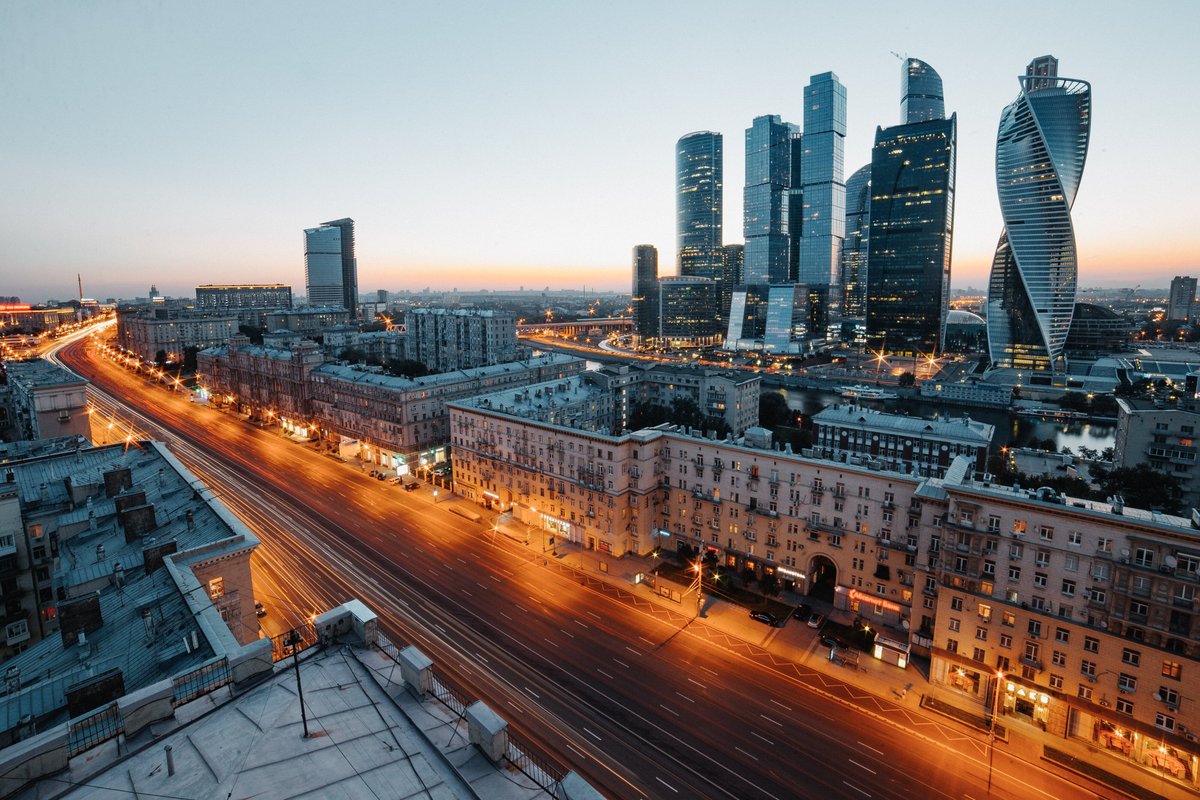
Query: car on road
column 816, row 620
column 260, row 610
column 831, row 641
column 766, row 617
column 802, row 612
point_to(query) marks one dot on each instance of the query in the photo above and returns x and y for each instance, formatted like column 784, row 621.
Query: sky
column 527, row 143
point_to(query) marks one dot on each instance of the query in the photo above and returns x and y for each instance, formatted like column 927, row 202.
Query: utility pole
column 992, row 730
column 294, row 639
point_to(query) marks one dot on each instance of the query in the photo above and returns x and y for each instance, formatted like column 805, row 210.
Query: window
column 1041, row 557
column 1058, row 658
column 1085, row 692
column 1056, row 682
column 1019, row 527
column 956, row 604
column 1126, row 682
column 981, row 633
column 1124, row 706
column 979, row 654
column 1091, row 644
column 989, row 568
column 1096, row 594
column 1016, row 550
column 1005, row 640
column 1131, row 657
column 1008, row 618
column 985, row 612
column 1074, row 538
column 1014, row 573
column 1164, row 722
column 1143, row 557
column 1035, row 628
column 1062, row 635
column 1071, row 562
column 1039, row 580
column 954, row 625
column 216, row 588
column 1172, row 669
column 952, row 645
column 1068, row 587
column 1087, row 668
column 1032, row 651
column 1046, row 533
column 993, row 523
column 1168, row 696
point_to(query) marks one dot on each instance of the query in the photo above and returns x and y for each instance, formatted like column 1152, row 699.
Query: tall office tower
column 1183, row 295
column 688, row 310
column 795, row 206
column 824, row 217
column 912, row 226
column 733, row 259
column 747, row 317
column 765, row 201
column 698, row 176
column 854, row 246
column 921, row 98
column 1041, row 148
column 645, row 291
column 330, row 268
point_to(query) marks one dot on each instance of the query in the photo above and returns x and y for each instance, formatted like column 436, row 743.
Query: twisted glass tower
column 1041, row 147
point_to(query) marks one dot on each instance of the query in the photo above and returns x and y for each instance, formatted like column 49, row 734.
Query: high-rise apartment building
column 445, row 339
column 765, row 201
column 855, row 250
column 645, row 291
column 912, row 223
column 821, row 174
column 330, row 268
column 1183, row 296
column 698, row 199
column 1041, row 147
column 921, row 96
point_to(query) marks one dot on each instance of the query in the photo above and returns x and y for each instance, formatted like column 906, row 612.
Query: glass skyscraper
column 854, row 246
column 821, row 173
column 732, row 274
column 765, row 221
column 921, row 97
column 688, row 307
column 912, row 220
column 1041, row 147
column 645, row 291
column 698, row 180
column 330, row 268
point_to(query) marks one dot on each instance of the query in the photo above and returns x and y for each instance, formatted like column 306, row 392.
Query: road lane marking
column 855, row 788
column 480, row 585
column 481, row 658
column 685, row 697
column 760, row 736
column 860, row 766
column 622, row 663
column 523, row 608
column 506, row 616
column 573, row 749
column 709, row 671
column 671, row 710
column 532, row 692
column 605, row 674
column 581, row 624
column 630, row 649
column 439, row 627
column 743, row 752
column 497, row 580
column 872, row 749
column 594, row 736
column 772, row 721
column 647, row 641
column 786, row 708
column 698, row 683
column 568, row 633
column 468, row 594
column 461, row 561
column 547, row 641
column 664, row 783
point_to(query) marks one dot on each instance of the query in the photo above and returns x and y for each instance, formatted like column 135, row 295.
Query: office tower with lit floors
column 912, row 224
column 330, row 268
column 645, row 292
column 855, row 266
column 824, row 190
column 1041, row 147
column 698, row 204
column 765, row 200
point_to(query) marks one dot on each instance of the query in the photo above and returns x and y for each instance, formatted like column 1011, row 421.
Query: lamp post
column 698, row 584
column 992, row 727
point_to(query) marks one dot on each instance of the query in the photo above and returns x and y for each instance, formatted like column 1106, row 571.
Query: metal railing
column 200, row 681
column 93, row 728
column 536, row 764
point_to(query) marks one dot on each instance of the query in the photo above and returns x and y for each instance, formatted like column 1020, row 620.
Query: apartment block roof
column 959, row 428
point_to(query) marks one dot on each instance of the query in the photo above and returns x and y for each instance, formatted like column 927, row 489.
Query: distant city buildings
column 689, row 310
column 330, row 267
column 699, row 173
column 165, row 334
column 238, row 296
column 446, row 339
column 1182, row 298
column 911, row 222
column 645, row 292
column 1041, row 148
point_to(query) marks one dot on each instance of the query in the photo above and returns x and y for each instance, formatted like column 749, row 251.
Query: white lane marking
column 605, row 674
column 547, row 641
column 574, row 750
column 594, row 736
column 743, row 752
column 630, row 649
column 671, row 710
column 685, row 697
column 568, row 633
column 581, row 623
column 855, row 788
column 698, row 683
column 439, row 627
column 772, row 721
column 506, row 616
column 786, row 708
column 664, row 783
column 497, row 580
column 593, row 614
column 872, row 749
column 622, row 663
column 532, row 692
column 523, row 608
column 647, row 641
column 760, row 736
column 481, row 658
column 480, row 585
column 461, row 561
column 468, row 594
column 709, row 671
column 860, row 766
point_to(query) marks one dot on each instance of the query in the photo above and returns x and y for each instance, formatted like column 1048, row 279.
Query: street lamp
column 698, row 584
column 992, row 727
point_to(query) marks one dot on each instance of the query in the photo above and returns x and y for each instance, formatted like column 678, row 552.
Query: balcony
column 766, row 512
column 825, row 527
column 1032, row 662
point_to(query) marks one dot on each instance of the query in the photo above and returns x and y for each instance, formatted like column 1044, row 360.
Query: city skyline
column 132, row 176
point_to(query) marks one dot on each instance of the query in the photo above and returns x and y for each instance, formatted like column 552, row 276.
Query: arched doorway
column 822, row 578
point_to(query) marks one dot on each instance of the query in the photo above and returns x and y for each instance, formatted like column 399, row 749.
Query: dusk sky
column 527, row 144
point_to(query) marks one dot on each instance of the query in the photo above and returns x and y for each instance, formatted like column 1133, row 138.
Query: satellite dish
column 1125, row 552
column 1171, row 562
column 904, row 624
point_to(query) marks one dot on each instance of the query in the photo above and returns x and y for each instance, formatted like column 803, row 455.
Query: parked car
column 411, row 487
column 831, row 641
column 765, row 616
column 816, row 620
column 802, row 612
column 260, row 610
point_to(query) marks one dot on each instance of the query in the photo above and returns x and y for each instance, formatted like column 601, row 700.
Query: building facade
column 1163, row 436
column 645, row 292
column 446, row 339
column 921, row 96
column 733, row 271
column 48, row 401
column 765, row 200
column 330, row 266
column 1041, row 148
column 1182, row 298
column 699, row 173
column 822, row 177
column 233, row 297
column 856, row 245
column 689, row 310
column 164, row 333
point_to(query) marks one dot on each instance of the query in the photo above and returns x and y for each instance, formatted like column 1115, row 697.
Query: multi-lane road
column 598, row 674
